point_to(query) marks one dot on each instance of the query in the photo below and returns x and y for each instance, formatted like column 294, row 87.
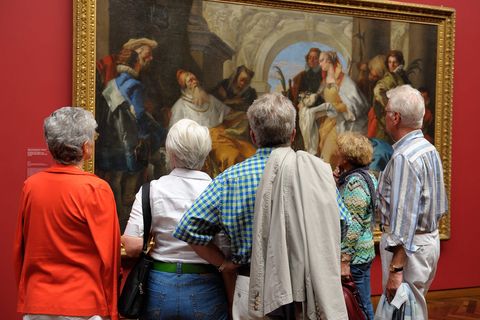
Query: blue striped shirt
column 228, row 204
column 411, row 191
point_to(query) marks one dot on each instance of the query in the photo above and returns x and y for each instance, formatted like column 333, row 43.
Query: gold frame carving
column 84, row 39
column 84, row 50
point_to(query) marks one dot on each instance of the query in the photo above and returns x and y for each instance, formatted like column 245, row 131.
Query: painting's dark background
column 167, row 24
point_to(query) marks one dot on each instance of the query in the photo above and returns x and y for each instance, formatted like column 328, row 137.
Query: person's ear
column 397, row 117
column 87, row 149
column 292, row 137
column 252, row 136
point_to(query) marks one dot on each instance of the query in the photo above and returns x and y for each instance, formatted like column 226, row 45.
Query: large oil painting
column 143, row 65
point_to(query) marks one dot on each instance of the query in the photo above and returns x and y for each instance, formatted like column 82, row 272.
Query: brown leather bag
column 352, row 299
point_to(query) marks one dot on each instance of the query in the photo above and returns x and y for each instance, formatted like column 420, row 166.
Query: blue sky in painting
column 291, row 61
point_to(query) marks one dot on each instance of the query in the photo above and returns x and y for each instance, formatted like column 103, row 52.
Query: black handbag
column 353, row 301
column 132, row 298
column 399, row 314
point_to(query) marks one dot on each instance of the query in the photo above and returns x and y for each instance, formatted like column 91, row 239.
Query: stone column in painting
column 370, row 37
column 206, row 48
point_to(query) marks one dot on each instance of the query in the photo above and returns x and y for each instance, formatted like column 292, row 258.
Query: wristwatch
column 223, row 265
column 395, row 269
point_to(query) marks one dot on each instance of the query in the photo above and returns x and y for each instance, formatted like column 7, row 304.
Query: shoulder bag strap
column 371, row 188
column 373, row 196
column 147, row 214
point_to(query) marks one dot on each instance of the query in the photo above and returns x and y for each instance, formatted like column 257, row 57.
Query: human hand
column 300, row 106
column 345, row 268
column 228, row 266
column 234, row 101
column 239, row 100
column 349, row 116
column 393, row 283
column 336, row 174
column 307, row 99
column 330, row 109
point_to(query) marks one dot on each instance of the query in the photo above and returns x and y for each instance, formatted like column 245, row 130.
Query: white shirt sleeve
column 134, row 226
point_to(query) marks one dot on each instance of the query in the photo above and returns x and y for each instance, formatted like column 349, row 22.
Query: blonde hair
column 332, row 56
column 356, row 148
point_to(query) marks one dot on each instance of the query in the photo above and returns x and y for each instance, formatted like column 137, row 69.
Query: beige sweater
column 296, row 242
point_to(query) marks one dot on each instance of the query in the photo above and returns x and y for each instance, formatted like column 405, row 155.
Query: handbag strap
column 371, row 188
column 363, row 173
column 147, row 214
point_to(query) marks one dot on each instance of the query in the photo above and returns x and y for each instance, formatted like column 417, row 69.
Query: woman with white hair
column 67, row 245
column 181, row 285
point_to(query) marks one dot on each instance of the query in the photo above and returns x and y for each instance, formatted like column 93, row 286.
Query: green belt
column 178, row 267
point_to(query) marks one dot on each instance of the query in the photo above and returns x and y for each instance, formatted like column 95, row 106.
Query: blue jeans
column 185, row 296
column 361, row 277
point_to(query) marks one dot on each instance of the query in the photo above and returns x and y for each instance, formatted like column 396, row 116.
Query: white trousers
column 240, row 309
column 420, row 267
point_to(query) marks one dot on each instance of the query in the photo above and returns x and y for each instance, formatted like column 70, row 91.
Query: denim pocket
column 154, row 306
column 156, row 295
column 209, row 302
column 208, row 309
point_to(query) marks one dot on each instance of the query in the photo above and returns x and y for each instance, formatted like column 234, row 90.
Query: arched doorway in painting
column 291, row 60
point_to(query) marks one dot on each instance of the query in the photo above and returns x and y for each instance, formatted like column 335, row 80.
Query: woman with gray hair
column 181, row 284
column 67, row 247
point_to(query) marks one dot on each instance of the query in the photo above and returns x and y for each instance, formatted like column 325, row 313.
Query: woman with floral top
column 357, row 187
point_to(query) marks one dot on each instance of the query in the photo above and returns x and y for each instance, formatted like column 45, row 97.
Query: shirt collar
column 69, row 169
column 415, row 134
column 190, row 174
column 263, row 152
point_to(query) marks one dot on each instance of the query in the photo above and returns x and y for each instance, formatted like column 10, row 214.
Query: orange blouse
column 67, row 245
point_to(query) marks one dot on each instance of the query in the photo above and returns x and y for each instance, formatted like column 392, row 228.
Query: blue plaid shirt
column 228, row 204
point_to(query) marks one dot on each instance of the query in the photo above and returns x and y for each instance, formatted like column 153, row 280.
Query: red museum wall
column 36, row 78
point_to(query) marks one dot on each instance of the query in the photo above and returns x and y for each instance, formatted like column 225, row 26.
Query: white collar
column 190, row 174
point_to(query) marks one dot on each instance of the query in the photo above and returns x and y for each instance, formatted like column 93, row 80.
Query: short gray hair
column 66, row 131
column 272, row 119
column 188, row 144
column 409, row 103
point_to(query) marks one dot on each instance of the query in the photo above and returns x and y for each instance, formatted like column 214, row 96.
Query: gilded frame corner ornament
column 84, row 56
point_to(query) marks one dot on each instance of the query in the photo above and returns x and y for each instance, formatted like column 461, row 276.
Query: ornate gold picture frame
column 272, row 39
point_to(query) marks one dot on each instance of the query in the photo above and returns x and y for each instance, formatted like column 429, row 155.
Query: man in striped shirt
column 228, row 202
column 412, row 200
